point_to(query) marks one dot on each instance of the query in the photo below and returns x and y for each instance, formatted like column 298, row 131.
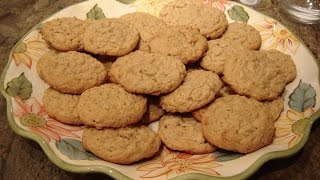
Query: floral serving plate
column 23, row 90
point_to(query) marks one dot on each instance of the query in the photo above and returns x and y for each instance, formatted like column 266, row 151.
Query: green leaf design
column 126, row 1
column 237, row 13
column 223, row 155
column 20, row 86
column 303, row 97
column 74, row 150
column 299, row 127
column 95, row 13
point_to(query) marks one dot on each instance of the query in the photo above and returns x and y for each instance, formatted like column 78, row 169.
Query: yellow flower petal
column 206, row 165
column 157, row 172
column 22, row 58
column 293, row 141
column 205, row 170
column 282, row 134
column 37, row 45
column 202, row 160
column 294, row 115
column 150, row 166
column 284, row 122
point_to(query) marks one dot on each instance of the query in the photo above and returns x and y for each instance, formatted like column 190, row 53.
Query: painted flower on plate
column 171, row 163
column 152, row 7
column 29, row 49
column 32, row 115
column 291, row 126
column 222, row 5
column 276, row 37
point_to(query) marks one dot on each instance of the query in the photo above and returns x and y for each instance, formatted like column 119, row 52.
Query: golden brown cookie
column 71, row 72
column 109, row 105
column 219, row 51
column 276, row 107
column 123, row 145
column 198, row 89
column 183, row 133
column 241, row 34
column 148, row 73
column 210, row 21
column 282, row 62
column 256, row 75
column 65, row 34
column 62, row 107
column 183, row 42
column 237, row 123
column 113, row 37
column 146, row 24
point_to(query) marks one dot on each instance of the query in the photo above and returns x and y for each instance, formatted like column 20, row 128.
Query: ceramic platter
column 23, row 90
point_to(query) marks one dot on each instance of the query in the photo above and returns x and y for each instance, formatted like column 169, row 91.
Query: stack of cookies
column 204, row 80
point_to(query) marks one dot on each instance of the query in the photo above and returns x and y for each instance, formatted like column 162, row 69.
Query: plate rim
column 83, row 169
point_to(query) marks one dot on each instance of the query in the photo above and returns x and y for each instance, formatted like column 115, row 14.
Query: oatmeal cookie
column 276, row 107
column 183, row 133
column 65, row 34
column 237, row 123
column 183, row 42
column 62, row 107
column 148, row 73
column 210, row 21
column 241, row 34
column 123, row 145
column 255, row 75
column 113, row 37
column 71, row 72
column 198, row 89
column 219, row 51
column 109, row 105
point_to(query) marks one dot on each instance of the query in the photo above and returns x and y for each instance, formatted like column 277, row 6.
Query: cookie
column 62, row 107
column 71, row 72
column 183, row 42
column 123, row 145
column 112, row 37
column 154, row 111
column 255, row 75
column 283, row 62
column 148, row 73
column 241, row 34
column 183, row 133
column 198, row 89
column 276, row 107
column 109, row 105
column 146, row 24
column 210, row 21
column 237, row 123
column 219, row 51
column 65, row 34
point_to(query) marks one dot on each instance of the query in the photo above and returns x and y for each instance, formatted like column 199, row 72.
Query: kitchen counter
column 21, row 158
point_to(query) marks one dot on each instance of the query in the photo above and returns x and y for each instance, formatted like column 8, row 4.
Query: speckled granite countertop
column 21, row 158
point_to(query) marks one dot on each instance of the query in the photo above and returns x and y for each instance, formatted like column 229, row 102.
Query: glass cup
column 302, row 11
